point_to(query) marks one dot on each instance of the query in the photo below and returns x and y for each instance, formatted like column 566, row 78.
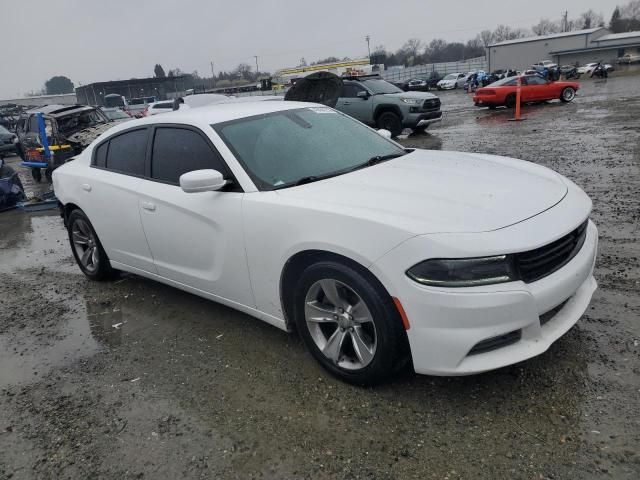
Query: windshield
column 79, row 121
column 450, row 77
column 380, row 86
column 281, row 148
column 115, row 114
column 113, row 101
column 506, row 81
column 4, row 130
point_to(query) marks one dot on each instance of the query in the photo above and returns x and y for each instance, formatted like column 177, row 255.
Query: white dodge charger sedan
column 305, row 218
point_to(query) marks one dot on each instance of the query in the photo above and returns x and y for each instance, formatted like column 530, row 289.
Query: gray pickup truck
column 380, row 104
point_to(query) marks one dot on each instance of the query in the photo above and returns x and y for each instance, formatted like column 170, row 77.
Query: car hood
column 437, row 192
column 420, row 95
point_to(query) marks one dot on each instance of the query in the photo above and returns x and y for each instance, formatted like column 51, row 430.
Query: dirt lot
column 132, row 379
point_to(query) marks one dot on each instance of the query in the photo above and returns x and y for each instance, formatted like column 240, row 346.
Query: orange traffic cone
column 517, row 117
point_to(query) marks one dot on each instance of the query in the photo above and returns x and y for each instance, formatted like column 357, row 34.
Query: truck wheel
column 390, row 121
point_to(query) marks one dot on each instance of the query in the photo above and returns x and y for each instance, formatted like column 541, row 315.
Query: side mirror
column 385, row 133
column 202, row 181
column 363, row 94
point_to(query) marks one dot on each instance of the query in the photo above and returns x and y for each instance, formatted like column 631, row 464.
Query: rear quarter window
column 126, row 152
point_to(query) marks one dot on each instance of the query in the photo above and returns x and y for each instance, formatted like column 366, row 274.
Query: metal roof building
column 522, row 52
column 606, row 48
column 93, row 94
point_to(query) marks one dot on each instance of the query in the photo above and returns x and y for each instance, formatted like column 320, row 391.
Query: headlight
column 463, row 272
column 412, row 101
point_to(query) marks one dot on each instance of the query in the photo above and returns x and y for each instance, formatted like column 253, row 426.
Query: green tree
column 58, row 85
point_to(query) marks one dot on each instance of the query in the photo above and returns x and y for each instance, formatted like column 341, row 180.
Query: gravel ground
column 133, row 379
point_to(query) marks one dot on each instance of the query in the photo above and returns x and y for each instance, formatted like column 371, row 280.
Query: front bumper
column 416, row 120
column 446, row 324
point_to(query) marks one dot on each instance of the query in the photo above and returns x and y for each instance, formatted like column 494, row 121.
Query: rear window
column 127, row 151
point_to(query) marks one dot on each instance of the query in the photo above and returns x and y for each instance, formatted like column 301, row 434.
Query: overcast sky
column 99, row 40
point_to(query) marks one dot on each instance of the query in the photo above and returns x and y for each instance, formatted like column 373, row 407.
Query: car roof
column 218, row 113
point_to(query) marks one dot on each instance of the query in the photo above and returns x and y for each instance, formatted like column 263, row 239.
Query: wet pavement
column 134, row 379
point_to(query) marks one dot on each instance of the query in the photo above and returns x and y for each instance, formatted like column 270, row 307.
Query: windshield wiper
column 375, row 160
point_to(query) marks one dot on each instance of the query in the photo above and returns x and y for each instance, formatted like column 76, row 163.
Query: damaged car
column 309, row 220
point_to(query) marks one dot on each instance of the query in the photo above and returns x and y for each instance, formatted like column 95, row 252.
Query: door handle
column 86, row 187
column 149, row 206
column 347, row 103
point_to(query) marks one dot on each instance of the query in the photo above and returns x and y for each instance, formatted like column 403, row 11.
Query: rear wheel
column 568, row 94
column 349, row 323
column 510, row 101
column 390, row 121
column 86, row 247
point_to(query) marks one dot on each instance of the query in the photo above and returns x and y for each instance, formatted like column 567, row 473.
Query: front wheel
column 349, row 323
column 86, row 247
column 510, row 101
column 390, row 121
column 568, row 94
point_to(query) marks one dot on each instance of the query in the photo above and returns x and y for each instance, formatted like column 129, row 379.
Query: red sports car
column 534, row 89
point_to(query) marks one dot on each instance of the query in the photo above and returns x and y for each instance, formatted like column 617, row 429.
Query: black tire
column 103, row 269
column 36, row 174
column 492, row 107
column 567, row 95
column 391, row 350
column 48, row 175
column 390, row 121
column 510, row 101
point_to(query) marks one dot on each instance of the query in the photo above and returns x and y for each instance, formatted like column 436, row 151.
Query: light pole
column 257, row 70
column 213, row 77
column 368, row 38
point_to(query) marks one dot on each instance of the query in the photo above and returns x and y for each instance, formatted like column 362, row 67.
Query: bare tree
column 242, row 71
column 545, row 27
column 505, row 32
column 486, row 37
column 631, row 11
column 412, row 47
column 591, row 19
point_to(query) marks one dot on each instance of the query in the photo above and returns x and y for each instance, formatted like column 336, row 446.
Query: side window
column 127, row 151
column 350, row 90
column 33, row 124
column 179, row 150
column 100, row 155
column 535, row 81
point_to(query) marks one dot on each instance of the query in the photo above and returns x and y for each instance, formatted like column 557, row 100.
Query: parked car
column 77, row 125
column 545, row 64
column 8, row 143
column 116, row 114
column 452, row 81
column 629, row 58
column 300, row 216
column 162, row 106
column 534, row 89
column 376, row 102
column 589, row 67
column 137, row 106
column 417, row 85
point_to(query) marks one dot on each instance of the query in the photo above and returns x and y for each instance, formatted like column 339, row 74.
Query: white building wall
column 521, row 55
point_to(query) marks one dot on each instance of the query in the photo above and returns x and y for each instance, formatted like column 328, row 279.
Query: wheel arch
column 386, row 107
column 298, row 262
column 66, row 209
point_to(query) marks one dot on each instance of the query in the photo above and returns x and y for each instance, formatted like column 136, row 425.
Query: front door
column 360, row 108
column 196, row 238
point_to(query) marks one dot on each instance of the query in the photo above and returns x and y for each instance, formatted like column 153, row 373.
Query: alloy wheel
column 340, row 324
column 568, row 94
column 85, row 245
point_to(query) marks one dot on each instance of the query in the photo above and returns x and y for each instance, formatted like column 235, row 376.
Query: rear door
column 117, row 168
column 360, row 108
column 196, row 238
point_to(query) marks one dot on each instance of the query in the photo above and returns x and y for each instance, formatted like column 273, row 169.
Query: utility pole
column 213, row 77
column 565, row 21
column 368, row 38
column 257, row 70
